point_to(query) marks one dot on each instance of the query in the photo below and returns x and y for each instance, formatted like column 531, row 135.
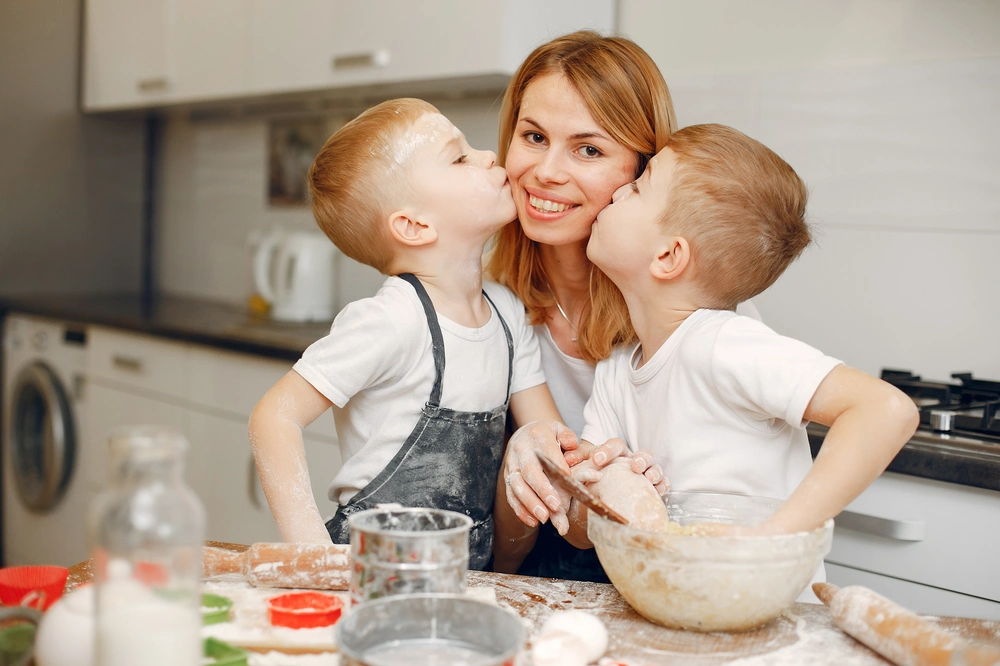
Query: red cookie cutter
column 304, row 610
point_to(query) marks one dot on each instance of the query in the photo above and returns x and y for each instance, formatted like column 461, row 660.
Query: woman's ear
column 672, row 260
column 408, row 230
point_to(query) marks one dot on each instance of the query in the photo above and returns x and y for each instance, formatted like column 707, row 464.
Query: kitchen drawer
column 918, row 598
column 132, row 361
column 232, row 383
column 923, row 531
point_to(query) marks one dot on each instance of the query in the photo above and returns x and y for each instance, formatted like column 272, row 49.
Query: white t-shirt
column 720, row 405
column 571, row 380
column 377, row 368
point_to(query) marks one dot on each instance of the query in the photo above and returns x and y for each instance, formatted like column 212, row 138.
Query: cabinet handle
column 127, row 363
column 153, row 84
column 900, row 530
column 379, row 58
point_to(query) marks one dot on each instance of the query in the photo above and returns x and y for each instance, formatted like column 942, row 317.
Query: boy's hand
column 526, row 481
column 641, row 462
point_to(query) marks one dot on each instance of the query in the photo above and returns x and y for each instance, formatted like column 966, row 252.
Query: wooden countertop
column 804, row 634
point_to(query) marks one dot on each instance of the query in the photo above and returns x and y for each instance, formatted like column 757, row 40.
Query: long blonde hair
column 627, row 96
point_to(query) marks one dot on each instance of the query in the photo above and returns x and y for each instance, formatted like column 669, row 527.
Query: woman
column 580, row 118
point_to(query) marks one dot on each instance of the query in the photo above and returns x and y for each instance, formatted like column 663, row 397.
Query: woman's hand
column 641, row 462
column 526, row 481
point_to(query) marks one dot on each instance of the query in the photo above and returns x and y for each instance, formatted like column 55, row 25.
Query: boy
column 720, row 399
column 419, row 375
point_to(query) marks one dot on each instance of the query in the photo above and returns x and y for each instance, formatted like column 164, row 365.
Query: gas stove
column 965, row 409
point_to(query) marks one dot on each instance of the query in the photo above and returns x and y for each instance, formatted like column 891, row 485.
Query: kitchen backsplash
column 900, row 160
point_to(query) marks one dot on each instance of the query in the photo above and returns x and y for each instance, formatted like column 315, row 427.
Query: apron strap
column 437, row 340
column 510, row 343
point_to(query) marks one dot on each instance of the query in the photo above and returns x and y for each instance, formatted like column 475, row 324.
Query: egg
column 586, row 628
column 65, row 636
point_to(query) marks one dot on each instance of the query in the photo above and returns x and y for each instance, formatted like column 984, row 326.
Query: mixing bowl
column 709, row 583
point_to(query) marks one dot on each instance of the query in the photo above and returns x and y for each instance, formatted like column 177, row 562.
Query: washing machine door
column 43, row 437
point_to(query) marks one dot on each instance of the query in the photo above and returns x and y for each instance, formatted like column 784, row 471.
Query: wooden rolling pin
column 293, row 565
column 897, row 634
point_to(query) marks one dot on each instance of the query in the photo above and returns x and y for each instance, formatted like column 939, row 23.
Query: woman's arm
column 870, row 421
column 276, row 439
column 516, row 520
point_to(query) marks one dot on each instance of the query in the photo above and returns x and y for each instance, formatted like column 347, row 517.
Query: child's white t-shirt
column 571, row 380
column 720, row 405
column 377, row 367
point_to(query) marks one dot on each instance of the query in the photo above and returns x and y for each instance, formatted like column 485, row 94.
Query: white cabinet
column 207, row 394
column 934, row 535
column 190, row 51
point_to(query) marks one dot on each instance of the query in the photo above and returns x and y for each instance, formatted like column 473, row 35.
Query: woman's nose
column 550, row 167
column 621, row 192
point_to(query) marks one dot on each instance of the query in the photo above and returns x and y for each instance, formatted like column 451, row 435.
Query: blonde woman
column 580, row 118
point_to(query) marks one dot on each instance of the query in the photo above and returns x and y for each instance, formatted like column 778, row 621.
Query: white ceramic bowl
column 709, row 583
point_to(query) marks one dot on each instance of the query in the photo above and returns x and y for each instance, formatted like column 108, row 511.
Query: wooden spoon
column 567, row 483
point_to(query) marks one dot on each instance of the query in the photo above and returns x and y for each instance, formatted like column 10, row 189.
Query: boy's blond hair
column 741, row 208
column 359, row 174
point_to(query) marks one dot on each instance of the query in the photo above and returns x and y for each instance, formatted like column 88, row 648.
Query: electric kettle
column 294, row 271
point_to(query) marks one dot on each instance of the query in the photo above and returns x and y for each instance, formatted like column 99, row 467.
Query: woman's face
column 563, row 166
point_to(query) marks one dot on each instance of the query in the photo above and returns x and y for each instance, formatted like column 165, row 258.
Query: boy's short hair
column 740, row 206
column 359, row 174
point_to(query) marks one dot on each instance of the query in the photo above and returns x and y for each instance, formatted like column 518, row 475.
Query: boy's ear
column 408, row 230
column 673, row 259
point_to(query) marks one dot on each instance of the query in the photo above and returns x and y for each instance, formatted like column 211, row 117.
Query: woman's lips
column 546, row 208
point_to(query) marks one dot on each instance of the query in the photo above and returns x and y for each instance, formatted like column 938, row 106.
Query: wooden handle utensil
column 899, row 635
column 287, row 565
column 579, row 491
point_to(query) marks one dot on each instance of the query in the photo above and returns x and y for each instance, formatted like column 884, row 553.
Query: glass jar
column 146, row 533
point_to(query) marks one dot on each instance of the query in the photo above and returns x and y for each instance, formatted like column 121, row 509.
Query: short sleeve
column 765, row 376
column 527, row 355
column 365, row 347
column 601, row 420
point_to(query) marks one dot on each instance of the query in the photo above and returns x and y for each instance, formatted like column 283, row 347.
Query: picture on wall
column 292, row 146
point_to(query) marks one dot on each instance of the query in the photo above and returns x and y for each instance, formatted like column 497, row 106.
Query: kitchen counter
column 804, row 634
column 186, row 319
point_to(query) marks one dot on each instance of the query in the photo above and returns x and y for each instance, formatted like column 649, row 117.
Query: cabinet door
column 210, row 49
column 223, row 476
column 109, row 408
column 125, row 53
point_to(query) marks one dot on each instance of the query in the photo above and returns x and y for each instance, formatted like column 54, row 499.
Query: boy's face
column 458, row 189
column 624, row 238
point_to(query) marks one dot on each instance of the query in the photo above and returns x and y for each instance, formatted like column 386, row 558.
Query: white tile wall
column 899, row 146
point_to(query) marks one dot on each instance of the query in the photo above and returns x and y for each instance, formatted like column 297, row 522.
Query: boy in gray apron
column 420, row 376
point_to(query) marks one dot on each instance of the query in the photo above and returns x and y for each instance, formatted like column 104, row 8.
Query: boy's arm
column 515, row 527
column 870, row 421
column 276, row 439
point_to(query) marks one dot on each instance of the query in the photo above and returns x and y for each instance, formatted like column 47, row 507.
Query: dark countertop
column 940, row 457
column 228, row 327
column 186, row 319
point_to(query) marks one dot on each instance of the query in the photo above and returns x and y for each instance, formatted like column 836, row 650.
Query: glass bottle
column 146, row 532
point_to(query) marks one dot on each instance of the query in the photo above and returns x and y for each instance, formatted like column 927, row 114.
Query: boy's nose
column 621, row 192
column 488, row 158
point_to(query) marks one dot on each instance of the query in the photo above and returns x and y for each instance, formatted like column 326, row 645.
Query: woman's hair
column 627, row 96
column 356, row 175
column 741, row 207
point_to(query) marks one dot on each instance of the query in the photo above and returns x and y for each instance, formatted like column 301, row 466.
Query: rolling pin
column 293, row 565
column 899, row 635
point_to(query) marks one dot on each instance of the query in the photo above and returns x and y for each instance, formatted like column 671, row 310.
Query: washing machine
column 44, row 499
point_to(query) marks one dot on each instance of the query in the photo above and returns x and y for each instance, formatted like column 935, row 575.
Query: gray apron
column 450, row 461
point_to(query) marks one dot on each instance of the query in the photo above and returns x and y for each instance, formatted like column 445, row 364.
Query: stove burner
column 970, row 407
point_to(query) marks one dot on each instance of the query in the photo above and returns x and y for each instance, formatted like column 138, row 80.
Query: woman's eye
column 534, row 137
column 591, row 151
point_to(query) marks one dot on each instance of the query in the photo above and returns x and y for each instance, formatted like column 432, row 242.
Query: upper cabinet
column 167, row 52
